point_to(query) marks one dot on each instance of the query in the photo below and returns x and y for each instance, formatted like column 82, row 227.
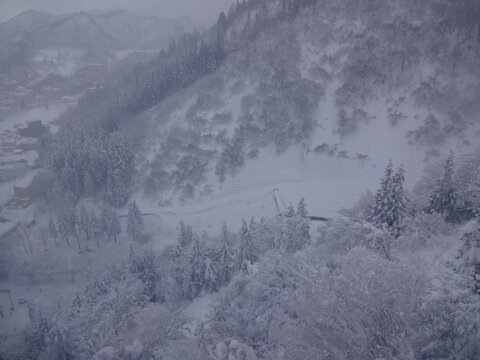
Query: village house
column 34, row 129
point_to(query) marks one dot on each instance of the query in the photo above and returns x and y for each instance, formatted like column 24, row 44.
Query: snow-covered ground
column 327, row 182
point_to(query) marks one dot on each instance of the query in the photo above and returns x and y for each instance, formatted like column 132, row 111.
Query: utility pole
column 276, row 202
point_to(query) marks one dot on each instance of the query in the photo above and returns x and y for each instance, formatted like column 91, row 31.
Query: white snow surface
column 328, row 183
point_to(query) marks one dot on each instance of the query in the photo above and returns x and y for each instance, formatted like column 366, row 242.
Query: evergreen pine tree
column 196, row 279
column 185, row 235
column 390, row 203
column 211, row 275
column 399, row 199
column 145, row 268
column 246, row 254
column 379, row 212
column 303, row 224
column 302, row 208
column 224, row 258
column 134, row 222
column 443, row 199
column 296, row 228
column 290, row 211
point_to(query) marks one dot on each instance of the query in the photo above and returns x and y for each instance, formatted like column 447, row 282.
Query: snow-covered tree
column 225, row 259
column 245, row 255
column 195, row 281
column 302, row 208
column 185, row 235
column 119, row 169
column 399, row 201
column 145, row 268
column 110, row 223
column 443, row 198
column 135, row 225
column 390, row 202
column 304, row 224
column 211, row 275
column 468, row 258
column 84, row 221
column 467, row 178
column 290, row 211
column 379, row 211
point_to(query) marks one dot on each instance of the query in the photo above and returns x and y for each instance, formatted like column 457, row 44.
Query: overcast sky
column 204, row 12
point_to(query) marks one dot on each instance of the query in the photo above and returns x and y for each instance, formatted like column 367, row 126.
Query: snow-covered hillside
column 22, row 24
column 360, row 97
column 213, row 203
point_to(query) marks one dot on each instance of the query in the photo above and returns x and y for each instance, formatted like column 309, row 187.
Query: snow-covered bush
column 362, row 209
column 342, row 234
column 425, row 230
column 297, row 307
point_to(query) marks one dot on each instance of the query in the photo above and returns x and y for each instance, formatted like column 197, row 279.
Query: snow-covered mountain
column 26, row 22
column 127, row 247
column 313, row 104
column 114, row 30
column 82, row 37
column 306, row 97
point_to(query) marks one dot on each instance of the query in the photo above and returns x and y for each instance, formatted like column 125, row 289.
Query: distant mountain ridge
column 281, row 93
column 115, row 29
column 97, row 32
column 15, row 28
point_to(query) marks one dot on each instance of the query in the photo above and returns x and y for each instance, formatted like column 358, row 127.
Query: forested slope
column 337, row 87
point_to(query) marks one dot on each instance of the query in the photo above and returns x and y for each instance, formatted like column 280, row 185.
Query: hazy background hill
column 96, row 36
column 315, row 100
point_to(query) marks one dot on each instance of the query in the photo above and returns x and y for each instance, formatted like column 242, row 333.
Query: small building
column 32, row 129
column 23, row 192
